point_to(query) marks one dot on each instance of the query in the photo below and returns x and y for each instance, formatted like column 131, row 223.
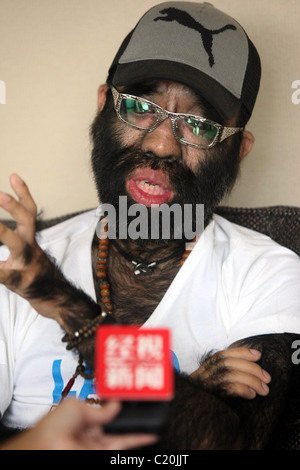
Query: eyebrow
column 148, row 89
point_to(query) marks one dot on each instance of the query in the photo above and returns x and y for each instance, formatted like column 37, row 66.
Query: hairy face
column 192, row 176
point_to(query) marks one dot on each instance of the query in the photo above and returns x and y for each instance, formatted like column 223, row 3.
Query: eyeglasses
column 187, row 128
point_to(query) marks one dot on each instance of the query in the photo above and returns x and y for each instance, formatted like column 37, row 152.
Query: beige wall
column 55, row 53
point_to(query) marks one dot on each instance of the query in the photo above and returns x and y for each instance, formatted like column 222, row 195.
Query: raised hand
column 28, row 270
column 33, row 274
column 24, row 250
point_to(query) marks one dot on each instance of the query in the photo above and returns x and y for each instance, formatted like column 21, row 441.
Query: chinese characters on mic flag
column 133, row 363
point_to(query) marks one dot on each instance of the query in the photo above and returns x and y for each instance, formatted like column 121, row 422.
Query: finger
column 244, row 359
column 219, row 362
column 234, row 379
column 241, row 390
column 23, row 193
column 103, row 415
column 11, row 239
column 242, row 353
column 25, row 219
column 245, row 366
column 220, row 359
column 234, row 375
column 83, row 415
column 128, row 441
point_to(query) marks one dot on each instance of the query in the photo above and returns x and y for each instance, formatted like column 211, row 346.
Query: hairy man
column 170, row 130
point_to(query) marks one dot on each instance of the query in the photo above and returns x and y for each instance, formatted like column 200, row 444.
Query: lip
column 148, row 187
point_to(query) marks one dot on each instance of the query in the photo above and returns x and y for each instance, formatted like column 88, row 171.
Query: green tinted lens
column 196, row 132
column 129, row 106
column 138, row 113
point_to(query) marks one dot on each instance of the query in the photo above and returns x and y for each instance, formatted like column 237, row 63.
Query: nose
column 162, row 142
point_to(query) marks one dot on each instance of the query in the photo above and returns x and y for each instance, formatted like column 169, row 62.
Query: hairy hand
column 33, row 274
column 234, row 372
column 26, row 262
column 21, row 243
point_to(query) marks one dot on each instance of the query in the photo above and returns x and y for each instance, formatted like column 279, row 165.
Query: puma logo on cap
column 185, row 19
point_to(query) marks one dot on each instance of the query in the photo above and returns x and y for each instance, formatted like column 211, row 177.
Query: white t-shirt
column 235, row 284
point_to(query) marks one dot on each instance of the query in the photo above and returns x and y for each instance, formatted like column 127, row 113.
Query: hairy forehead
column 168, row 88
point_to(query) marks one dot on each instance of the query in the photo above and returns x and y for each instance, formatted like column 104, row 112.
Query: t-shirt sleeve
column 6, row 350
column 266, row 295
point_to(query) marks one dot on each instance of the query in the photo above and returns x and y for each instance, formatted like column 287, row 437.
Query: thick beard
column 112, row 163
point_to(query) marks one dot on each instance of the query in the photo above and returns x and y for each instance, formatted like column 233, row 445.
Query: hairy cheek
column 127, row 136
column 192, row 158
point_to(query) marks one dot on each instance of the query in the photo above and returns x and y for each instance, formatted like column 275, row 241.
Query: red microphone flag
column 133, row 363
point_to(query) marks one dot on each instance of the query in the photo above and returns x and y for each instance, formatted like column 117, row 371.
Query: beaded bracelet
column 85, row 331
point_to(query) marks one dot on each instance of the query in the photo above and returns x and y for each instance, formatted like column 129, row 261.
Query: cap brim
column 131, row 73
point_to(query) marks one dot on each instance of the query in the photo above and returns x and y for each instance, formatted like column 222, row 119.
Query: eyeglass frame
column 223, row 132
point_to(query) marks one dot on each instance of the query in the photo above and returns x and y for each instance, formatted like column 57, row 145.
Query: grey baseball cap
column 194, row 44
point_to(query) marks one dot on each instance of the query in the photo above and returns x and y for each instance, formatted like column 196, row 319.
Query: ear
column 102, row 91
column 247, row 144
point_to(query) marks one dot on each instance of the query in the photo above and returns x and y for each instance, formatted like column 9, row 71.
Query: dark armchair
column 282, row 224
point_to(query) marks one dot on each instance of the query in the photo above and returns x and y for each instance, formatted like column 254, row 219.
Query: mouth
column 149, row 187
